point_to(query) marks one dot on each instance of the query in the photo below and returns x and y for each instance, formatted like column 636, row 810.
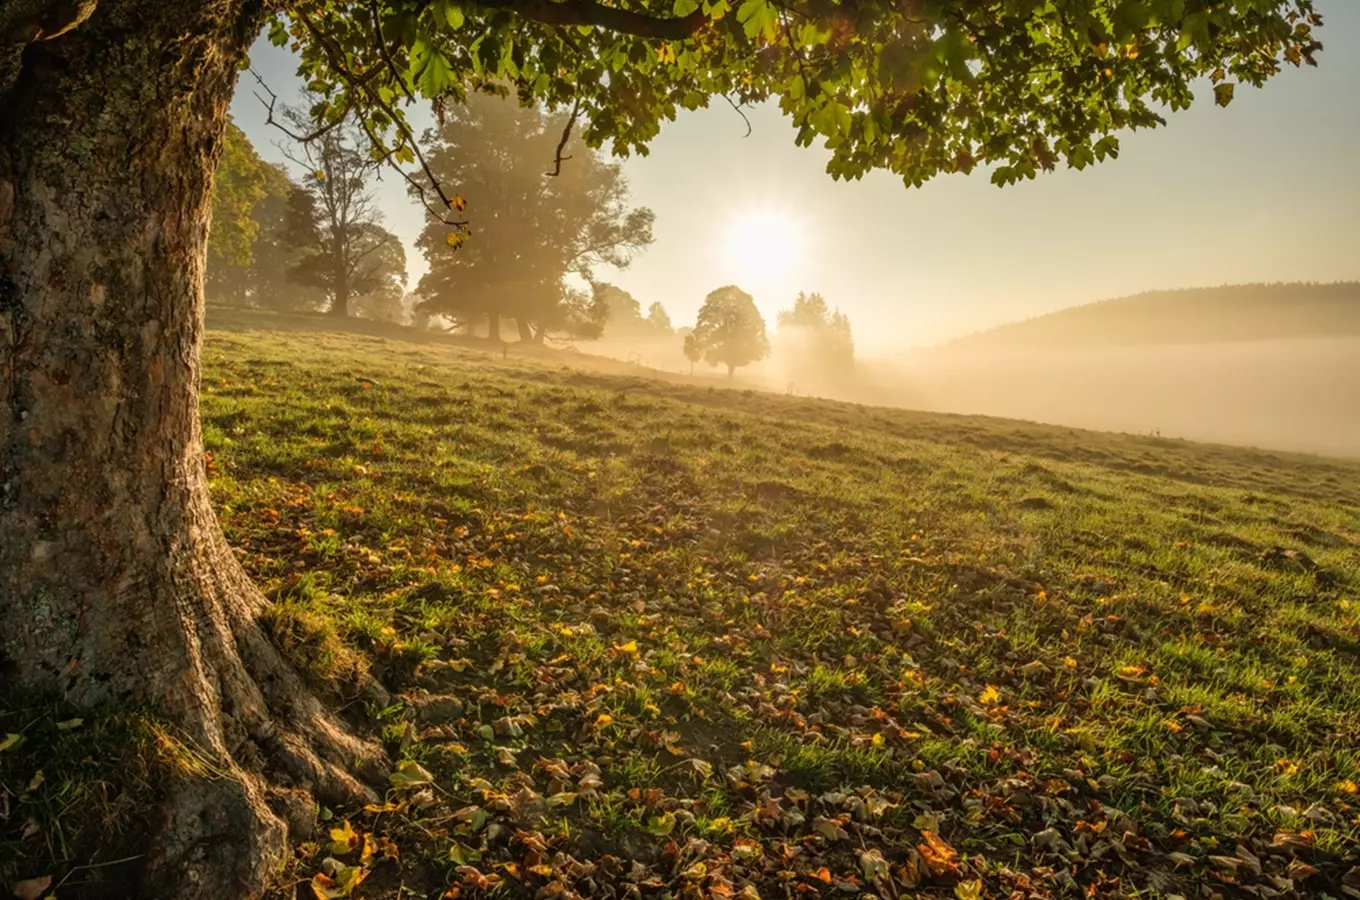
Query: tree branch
column 586, row 12
column 322, row 39
column 270, row 120
column 737, row 109
column 558, row 158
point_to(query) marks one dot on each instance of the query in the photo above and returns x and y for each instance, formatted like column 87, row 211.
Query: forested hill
column 1197, row 315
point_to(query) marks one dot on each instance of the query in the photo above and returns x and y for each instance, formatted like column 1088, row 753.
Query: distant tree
column 659, row 319
column 334, row 220
column 693, row 351
column 809, row 311
column 820, row 336
column 240, row 185
column 729, row 332
column 250, row 249
column 623, row 311
column 531, row 231
column 386, row 301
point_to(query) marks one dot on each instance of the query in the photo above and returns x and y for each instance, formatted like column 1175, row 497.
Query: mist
column 1295, row 393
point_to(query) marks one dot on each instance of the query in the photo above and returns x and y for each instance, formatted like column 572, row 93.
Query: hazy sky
column 1265, row 190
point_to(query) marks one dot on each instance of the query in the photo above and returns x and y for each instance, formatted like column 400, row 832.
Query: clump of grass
column 78, row 792
column 309, row 639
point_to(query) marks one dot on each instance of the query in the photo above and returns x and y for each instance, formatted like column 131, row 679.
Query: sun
column 764, row 244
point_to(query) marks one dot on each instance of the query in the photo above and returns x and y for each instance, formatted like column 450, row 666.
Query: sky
column 1267, row 189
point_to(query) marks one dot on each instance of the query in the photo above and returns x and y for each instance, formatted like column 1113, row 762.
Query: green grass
column 917, row 622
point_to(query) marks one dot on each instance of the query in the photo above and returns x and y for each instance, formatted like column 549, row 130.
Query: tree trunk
column 340, row 300
column 526, row 331
column 493, row 326
column 115, row 579
column 731, row 371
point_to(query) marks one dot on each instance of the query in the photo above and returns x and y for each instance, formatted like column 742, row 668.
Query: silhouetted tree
column 334, row 220
column 532, row 231
column 820, row 336
column 729, row 332
column 659, row 319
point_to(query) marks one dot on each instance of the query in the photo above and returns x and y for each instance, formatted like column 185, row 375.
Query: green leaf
column 758, row 17
column 278, row 33
column 10, row 740
column 1223, row 93
column 661, row 825
column 450, row 12
column 409, row 775
column 436, row 76
column 683, row 8
column 463, row 856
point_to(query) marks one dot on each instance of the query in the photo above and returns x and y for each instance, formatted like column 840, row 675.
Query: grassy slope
column 1026, row 640
column 1252, row 312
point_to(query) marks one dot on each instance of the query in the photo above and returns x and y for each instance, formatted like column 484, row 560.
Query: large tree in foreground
column 115, row 580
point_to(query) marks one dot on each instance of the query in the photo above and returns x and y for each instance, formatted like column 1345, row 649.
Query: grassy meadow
column 656, row 639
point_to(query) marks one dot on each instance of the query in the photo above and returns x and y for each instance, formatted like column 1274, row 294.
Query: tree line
column 313, row 240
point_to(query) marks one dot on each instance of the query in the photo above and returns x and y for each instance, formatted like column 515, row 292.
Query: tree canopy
column 920, row 88
column 730, row 331
column 817, row 336
column 532, row 231
column 335, row 222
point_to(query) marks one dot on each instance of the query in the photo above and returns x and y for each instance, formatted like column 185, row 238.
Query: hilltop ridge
column 1244, row 312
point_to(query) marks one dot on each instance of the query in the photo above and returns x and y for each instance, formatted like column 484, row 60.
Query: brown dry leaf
column 1293, row 840
column 1298, row 870
column 31, row 888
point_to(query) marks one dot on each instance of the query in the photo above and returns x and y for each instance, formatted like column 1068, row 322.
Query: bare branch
column 732, row 103
column 558, row 158
column 323, row 40
column 270, row 120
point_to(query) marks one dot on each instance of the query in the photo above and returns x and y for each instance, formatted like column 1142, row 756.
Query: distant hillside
column 1249, row 312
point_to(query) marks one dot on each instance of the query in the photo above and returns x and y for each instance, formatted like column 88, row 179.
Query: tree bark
column 340, row 299
column 493, row 326
column 115, row 579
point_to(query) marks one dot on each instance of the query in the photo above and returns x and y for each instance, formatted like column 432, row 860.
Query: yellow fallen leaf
column 991, row 696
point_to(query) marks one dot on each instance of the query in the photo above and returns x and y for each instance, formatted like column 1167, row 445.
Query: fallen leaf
column 31, row 888
column 341, row 884
column 409, row 775
column 873, row 865
column 343, row 839
column 661, row 825
column 938, row 854
column 969, row 890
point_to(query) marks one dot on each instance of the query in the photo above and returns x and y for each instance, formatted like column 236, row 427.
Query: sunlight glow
column 764, row 244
